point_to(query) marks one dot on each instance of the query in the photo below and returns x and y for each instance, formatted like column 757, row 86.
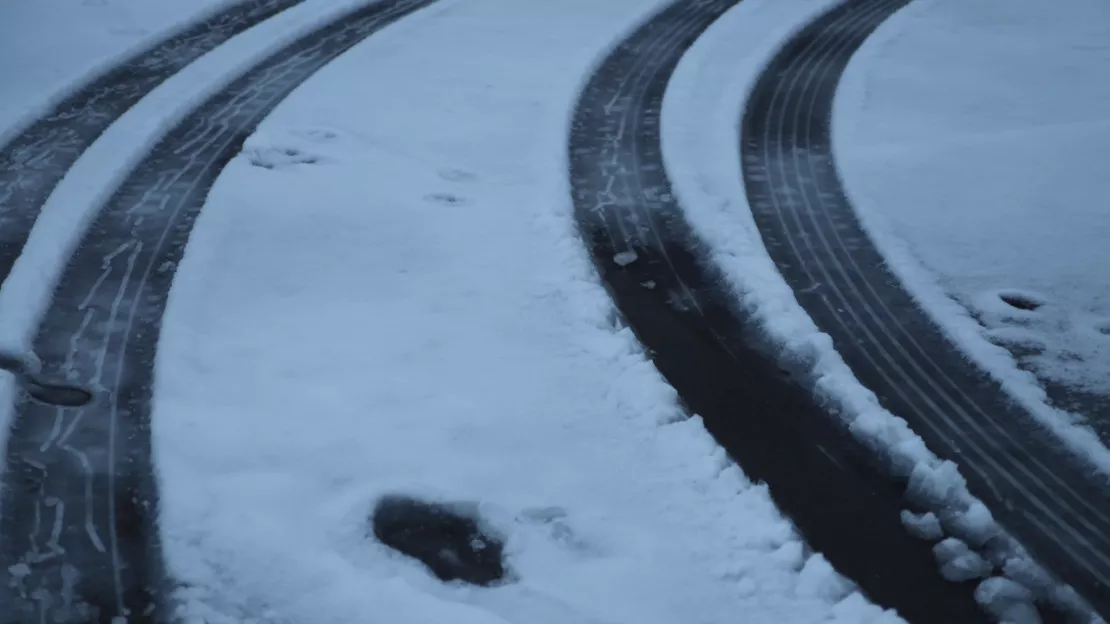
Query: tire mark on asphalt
column 78, row 535
column 664, row 286
column 35, row 160
column 1050, row 500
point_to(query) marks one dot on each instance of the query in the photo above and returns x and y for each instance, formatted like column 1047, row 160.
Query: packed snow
column 96, row 174
column 49, row 46
column 973, row 139
column 385, row 295
column 700, row 119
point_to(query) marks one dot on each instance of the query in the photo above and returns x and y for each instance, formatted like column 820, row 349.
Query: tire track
column 78, row 537
column 35, row 160
column 1050, row 500
column 679, row 307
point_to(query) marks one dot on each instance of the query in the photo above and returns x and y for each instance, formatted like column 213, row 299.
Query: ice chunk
column 625, row 258
column 1007, row 601
column 924, row 526
column 935, row 485
column 957, row 561
column 976, row 525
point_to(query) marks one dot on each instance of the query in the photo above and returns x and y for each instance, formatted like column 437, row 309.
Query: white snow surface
column 385, row 294
column 47, row 47
column 973, row 138
column 700, row 118
column 95, row 175
column 924, row 526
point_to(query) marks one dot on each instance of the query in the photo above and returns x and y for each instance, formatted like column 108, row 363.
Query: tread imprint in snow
column 35, row 160
column 653, row 266
column 78, row 537
column 1046, row 497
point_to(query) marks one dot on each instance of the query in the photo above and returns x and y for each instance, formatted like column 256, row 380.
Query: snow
column 706, row 95
column 924, row 526
column 96, row 174
column 972, row 139
column 958, row 563
column 405, row 308
column 700, row 119
column 1007, row 600
column 47, row 47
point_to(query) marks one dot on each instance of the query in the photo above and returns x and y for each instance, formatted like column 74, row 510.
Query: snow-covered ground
column 28, row 288
column 973, row 139
column 385, row 294
column 49, row 46
column 700, row 120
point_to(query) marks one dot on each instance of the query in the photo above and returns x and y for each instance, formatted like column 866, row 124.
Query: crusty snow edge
column 949, row 315
column 700, row 125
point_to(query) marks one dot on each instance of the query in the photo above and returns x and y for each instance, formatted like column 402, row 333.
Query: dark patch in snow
column 446, row 198
column 1021, row 301
column 1022, row 343
column 443, row 536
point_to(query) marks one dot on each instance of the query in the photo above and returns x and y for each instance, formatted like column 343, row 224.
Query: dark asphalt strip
column 1050, row 500
column 35, row 160
column 78, row 535
column 683, row 313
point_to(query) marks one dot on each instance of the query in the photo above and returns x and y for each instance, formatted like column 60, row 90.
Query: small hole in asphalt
column 1020, row 302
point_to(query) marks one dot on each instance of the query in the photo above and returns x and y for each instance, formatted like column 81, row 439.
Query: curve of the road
column 35, row 160
column 1046, row 497
column 668, row 293
column 78, row 535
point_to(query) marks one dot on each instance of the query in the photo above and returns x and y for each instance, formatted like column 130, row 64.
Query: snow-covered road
column 385, row 294
column 973, row 139
column 385, row 291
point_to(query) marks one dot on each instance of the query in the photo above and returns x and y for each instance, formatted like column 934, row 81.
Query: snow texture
column 924, row 526
column 88, row 184
column 958, row 562
column 700, row 119
column 1007, row 601
column 414, row 314
column 973, row 139
column 47, row 47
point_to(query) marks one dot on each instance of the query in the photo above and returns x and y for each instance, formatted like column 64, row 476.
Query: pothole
column 452, row 543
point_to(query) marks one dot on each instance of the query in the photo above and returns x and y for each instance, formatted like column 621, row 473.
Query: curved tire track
column 35, row 160
column 683, row 313
column 1041, row 493
column 78, row 536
